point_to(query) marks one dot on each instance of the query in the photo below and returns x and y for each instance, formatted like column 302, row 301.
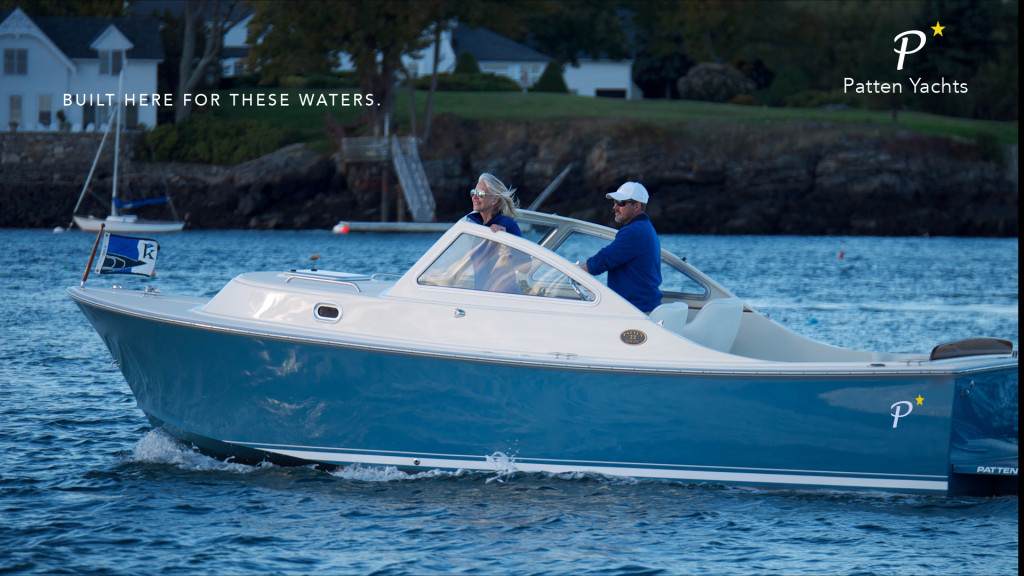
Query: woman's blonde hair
column 506, row 196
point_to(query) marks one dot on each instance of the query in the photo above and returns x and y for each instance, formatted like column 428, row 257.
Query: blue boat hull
column 291, row 401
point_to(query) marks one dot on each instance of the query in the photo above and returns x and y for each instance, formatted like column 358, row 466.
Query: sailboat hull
column 127, row 225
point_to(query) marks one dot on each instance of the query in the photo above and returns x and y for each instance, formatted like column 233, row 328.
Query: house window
column 45, row 112
column 14, row 114
column 95, row 115
column 111, row 62
column 15, row 62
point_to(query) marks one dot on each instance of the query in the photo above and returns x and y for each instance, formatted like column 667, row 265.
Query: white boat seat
column 715, row 326
column 672, row 316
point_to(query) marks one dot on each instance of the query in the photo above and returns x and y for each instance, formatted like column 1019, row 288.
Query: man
column 633, row 259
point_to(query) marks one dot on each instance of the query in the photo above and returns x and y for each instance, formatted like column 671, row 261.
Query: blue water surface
column 88, row 487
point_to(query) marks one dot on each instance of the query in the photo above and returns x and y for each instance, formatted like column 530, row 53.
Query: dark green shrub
column 466, row 64
column 205, row 139
column 478, row 82
column 789, row 81
column 551, row 79
column 293, row 82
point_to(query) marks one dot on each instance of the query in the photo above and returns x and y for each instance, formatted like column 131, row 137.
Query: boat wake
column 504, row 466
column 364, row 473
column 157, row 447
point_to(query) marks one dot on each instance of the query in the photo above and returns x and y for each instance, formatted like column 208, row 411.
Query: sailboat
column 117, row 221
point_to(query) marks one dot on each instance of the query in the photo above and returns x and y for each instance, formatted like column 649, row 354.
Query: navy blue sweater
column 633, row 263
column 500, row 219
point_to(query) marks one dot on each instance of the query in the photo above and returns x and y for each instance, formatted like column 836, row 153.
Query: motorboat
column 495, row 352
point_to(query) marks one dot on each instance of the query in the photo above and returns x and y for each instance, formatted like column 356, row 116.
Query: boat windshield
column 579, row 245
column 474, row 263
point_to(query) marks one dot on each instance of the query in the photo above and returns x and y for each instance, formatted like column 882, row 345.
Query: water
column 86, row 485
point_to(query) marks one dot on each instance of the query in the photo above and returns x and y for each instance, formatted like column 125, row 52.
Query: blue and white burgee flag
column 127, row 255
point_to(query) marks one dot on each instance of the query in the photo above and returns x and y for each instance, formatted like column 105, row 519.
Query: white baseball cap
column 630, row 191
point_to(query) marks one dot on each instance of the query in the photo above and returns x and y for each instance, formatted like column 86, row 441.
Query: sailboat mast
column 88, row 180
column 117, row 140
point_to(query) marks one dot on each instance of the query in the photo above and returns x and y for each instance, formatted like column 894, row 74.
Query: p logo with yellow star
column 904, row 39
column 903, row 408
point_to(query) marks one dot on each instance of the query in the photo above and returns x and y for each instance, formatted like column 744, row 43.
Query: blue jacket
column 500, row 219
column 633, row 263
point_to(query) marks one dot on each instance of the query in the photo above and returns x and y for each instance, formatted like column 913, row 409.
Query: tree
column 372, row 35
column 659, row 63
column 996, row 86
column 213, row 18
column 965, row 47
column 441, row 14
column 565, row 30
column 290, row 39
column 81, row 8
column 375, row 35
column 670, row 37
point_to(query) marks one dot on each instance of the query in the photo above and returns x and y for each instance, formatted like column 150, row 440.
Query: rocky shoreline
column 797, row 178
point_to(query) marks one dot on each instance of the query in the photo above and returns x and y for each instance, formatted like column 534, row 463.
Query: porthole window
column 327, row 312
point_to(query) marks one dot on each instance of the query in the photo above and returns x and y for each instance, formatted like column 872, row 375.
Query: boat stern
column 985, row 434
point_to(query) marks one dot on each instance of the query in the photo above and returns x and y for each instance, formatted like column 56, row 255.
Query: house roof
column 488, row 46
column 74, row 35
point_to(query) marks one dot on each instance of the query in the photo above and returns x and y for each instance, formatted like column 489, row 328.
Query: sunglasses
column 476, row 192
column 621, row 203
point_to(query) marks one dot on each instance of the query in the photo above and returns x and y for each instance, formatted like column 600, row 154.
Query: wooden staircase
column 406, row 159
column 415, row 188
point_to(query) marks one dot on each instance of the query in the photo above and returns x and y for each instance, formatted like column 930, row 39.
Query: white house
column 75, row 65
column 499, row 55
column 493, row 52
column 605, row 78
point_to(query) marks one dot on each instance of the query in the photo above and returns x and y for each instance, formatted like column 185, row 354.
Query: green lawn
column 521, row 106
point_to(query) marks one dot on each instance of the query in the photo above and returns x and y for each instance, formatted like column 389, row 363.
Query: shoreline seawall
column 800, row 178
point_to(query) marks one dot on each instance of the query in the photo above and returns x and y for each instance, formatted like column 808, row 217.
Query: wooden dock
column 430, row 227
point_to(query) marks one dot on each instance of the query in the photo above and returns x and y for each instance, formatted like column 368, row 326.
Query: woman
column 494, row 205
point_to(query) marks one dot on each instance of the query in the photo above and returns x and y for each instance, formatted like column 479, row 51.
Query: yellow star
column 920, row 400
column 938, row 32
